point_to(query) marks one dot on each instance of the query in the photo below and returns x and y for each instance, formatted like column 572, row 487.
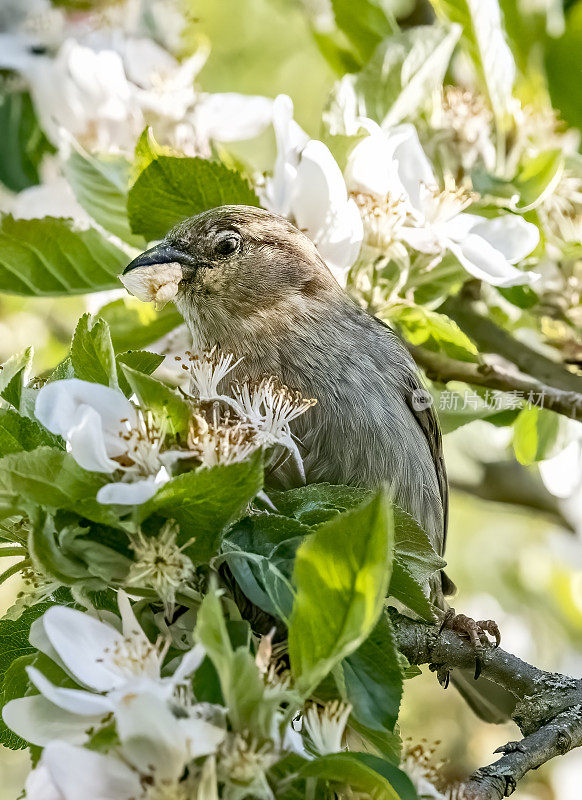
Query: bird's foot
column 481, row 633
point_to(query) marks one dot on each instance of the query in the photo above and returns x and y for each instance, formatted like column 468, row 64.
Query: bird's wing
column 428, row 422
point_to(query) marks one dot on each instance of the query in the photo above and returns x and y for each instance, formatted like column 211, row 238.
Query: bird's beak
column 161, row 254
column 156, row 274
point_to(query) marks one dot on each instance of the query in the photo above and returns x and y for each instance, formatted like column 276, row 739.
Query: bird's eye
column 228, row 244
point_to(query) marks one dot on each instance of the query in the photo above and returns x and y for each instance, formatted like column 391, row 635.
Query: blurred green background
column 511, row 561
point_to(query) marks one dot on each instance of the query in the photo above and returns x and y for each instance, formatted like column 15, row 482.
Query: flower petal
column 290, row 140
column 372, row 167
column 340, row 244
column 39, row 721
column 414, row 168
column 150, row 735
column 57, row 404
column 81, row 643
column 189, row 663
column 87, row 441
column 80, row 774
column 76, row 701
column 232, row 117
column 129, row 494
column 483, row 261
column 319, row 189
column 39, row 785
column 510, row 234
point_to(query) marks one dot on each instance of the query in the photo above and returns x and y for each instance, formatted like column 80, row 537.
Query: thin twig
column 548, row 706
column 442, row 369
column 490, row 338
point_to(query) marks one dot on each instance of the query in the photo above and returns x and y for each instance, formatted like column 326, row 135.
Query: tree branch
column 490, row 338
column 442, row 369
column 548, row 706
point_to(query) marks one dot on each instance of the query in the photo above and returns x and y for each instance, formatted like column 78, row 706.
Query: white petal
column 82, row 643
column 372, row 168
column 189, row 663
column 87, row 441
column 423, row 239
column 319, row 188
column 459, row 227
column 290, row 140
column 414, row 168
column 39, row 721
column 39, row 785
column 510, row 234
column 81, row 774
column 339, row 244
column 128, row 494
column 130, row 626
column 150, row 735
column 483, row 261
column 202, row 737
column 232, row 117
column 76, row 701
column 57, row 402
column 562, row 474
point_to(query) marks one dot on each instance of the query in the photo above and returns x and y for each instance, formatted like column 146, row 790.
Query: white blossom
column 106, row 433
column 393, row 165
column 326, row 726
column 307, row 186
column 109, row 663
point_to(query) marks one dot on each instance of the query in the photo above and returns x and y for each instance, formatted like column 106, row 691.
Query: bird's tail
column 491, row 702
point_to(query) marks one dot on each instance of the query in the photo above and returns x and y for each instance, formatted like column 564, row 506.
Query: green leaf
column 14, row 375
column 19, row 433
column 413, row 548
column 92, row 353
column 170, row 189
column 139, row 360
column 406, row 589
column 341, row 575
column 147, row 150
column 484, row 40
column 133, row 324
column 537, row 178
column 23, row 142
column 251, row 705
column 373, row 678
column 436, row 332
column 15, row 685
column 364, row 772
column 404, row 72
column 534, row 433
column 52, row 478
column 206, row 501
column 101, row 184
column 165, row 403
column 48, row 556
column 48, row 258
column 14, row 645
column 365, row 24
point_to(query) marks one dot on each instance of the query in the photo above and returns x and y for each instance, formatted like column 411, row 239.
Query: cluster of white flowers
column 107, row 433
column 162, row 743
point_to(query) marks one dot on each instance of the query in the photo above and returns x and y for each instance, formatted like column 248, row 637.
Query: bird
column 253, row 284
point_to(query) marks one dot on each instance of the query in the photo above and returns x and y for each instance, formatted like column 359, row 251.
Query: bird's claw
column 511, row 747
column 443, row 674
column 478, row 632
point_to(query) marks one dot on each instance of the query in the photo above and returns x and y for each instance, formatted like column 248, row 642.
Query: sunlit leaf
column 48, row 258
column 171, row 189
column 341, row 575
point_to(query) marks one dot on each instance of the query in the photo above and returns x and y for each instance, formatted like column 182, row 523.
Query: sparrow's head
column 235, row 261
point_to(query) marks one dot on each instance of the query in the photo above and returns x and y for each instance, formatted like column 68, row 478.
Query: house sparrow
column 254, row 285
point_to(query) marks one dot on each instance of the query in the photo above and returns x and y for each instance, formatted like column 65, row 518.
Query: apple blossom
column 307, row 186
column 393, row 166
